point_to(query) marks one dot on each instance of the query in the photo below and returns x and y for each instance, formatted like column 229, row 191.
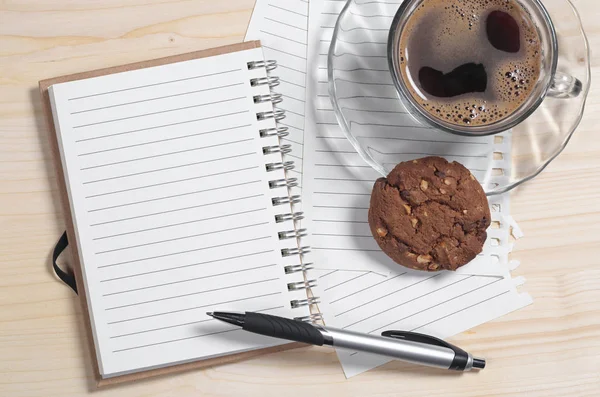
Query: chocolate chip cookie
column 429, row 214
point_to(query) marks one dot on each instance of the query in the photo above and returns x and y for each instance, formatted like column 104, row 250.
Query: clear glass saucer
column 370, row 113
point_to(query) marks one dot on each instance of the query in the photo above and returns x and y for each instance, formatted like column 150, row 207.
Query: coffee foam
column 446, row 34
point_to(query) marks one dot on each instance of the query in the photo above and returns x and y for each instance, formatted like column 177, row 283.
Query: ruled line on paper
column 384, row 296
column 289, row 82
column 167, row 125
column 176, row 340
column 410, row 300
column 294, row 98
column 186, row 324
column 461, row 310
column 178, row 223
column 186, row 266
column 174, row 181
column 345, row 249
column 339, row 221
column 175, row 196
column 344, row 193
column 155, row 84
column 431, row 307
column 286, row 24
column 282, row 37
column 192, row 308
column 170, row 168
column 345, row 282
column 169, row 153
column 288, row 10
column 183, row 252
column 182, row 238
column 284, row 52
column 344, row 166
column 170, row 139
column 191, row 294
column 290, row 126
column 157, row 98
column 332, row 272
column 188, row 280
column 175, row 210
column 291, row 68
column 157, row 112
column 367, row 288
column 343, row 235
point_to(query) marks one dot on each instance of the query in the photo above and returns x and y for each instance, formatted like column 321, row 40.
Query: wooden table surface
column 551, row 348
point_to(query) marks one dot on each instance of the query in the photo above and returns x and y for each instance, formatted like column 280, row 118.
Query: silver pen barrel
column 412, row 352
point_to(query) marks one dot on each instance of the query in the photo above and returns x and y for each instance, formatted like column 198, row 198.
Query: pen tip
column 478, row 363
column 209, row 314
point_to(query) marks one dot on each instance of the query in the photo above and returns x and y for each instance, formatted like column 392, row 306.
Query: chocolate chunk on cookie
column 429, row 214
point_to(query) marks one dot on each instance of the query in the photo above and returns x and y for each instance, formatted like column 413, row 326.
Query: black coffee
column 470, row 62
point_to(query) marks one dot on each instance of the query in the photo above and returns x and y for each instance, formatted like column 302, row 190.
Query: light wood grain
column 551, row 348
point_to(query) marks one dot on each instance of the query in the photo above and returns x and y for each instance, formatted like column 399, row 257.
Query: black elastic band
column 67, row 278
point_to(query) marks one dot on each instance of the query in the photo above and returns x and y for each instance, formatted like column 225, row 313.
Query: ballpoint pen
column 400, row 345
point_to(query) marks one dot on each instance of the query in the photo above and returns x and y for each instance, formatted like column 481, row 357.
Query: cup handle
column 564, row 86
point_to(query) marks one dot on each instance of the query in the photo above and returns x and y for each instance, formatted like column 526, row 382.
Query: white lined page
column 172, row 208
column 338, row 182
column 282, row 28
column 438, row 304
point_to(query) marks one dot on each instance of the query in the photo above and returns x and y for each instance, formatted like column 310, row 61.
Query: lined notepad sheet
column 282, row 28
column 338, row 182
column 172, row 208
column 438, row 304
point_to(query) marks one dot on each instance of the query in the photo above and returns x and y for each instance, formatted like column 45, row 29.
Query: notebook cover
column 44, row 85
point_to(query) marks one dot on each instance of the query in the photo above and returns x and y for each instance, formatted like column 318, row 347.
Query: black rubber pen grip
column 282, row 328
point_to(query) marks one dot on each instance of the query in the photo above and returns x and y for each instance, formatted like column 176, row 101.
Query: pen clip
column 461, row 357
column 419, row 338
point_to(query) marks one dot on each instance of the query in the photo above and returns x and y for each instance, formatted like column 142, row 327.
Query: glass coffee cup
column 382, row 127
column 551, row 81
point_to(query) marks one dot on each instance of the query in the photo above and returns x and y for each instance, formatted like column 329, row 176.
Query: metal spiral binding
column 298, row 233
column 304, row 302
column 285, row 165
column 283, row 149
column 286, row 200
column 278, row 115
column 280, row 132
column 289, row 183
column 295, row 251
column 302, row 285
column 292, row 216
column 272, row 82
column 273, row 98
column 299, row 268
column 268, row 65
column 310, row 319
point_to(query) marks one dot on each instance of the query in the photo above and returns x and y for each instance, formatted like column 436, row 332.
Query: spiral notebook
column 177, row 203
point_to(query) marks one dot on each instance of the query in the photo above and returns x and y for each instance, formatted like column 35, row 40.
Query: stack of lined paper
column 360, row 288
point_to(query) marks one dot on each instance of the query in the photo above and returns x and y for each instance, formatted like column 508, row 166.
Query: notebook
column 177, row 203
